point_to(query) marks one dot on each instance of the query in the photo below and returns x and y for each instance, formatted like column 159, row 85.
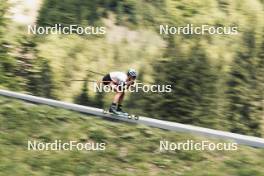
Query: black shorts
column 107, row 79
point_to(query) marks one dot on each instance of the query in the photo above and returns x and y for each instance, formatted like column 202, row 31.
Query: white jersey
column 118, row 77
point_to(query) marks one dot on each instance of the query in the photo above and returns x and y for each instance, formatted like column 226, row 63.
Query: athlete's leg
column 118, row 98
column 116, row 106
column 119, row 106
column 121, row 98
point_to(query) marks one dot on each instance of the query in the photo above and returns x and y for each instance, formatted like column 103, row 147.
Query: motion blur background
column 218, row 82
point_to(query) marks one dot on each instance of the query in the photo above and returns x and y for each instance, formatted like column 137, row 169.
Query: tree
column 7, row 63
column 40, row 79
column 83, row 98
column 193, row 81
column 46, row 76
column 259, row 98
column 99, row 99
column 244, row 90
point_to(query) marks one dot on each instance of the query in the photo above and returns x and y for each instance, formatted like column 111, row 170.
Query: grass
column 130, row 149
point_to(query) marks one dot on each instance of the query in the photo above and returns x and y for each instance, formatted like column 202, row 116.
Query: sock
column 113, row 104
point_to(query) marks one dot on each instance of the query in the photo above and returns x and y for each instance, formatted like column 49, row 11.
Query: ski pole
column 89, row 80
column 95, row 72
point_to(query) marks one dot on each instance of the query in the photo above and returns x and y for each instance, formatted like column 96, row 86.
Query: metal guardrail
column 172, row 126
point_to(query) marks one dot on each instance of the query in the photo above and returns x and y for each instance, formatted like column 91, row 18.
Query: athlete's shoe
column 113, row 109
column 119, row 109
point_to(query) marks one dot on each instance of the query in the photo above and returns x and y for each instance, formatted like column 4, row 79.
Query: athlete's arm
column 130, row 83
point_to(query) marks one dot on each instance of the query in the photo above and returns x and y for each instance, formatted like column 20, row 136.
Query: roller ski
column 118, row 112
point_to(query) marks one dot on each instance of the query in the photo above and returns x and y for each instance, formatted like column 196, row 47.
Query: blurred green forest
column 130, row 149
column 217, row 79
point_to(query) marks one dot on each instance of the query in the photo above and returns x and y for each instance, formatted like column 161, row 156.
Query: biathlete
column 118, row 81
